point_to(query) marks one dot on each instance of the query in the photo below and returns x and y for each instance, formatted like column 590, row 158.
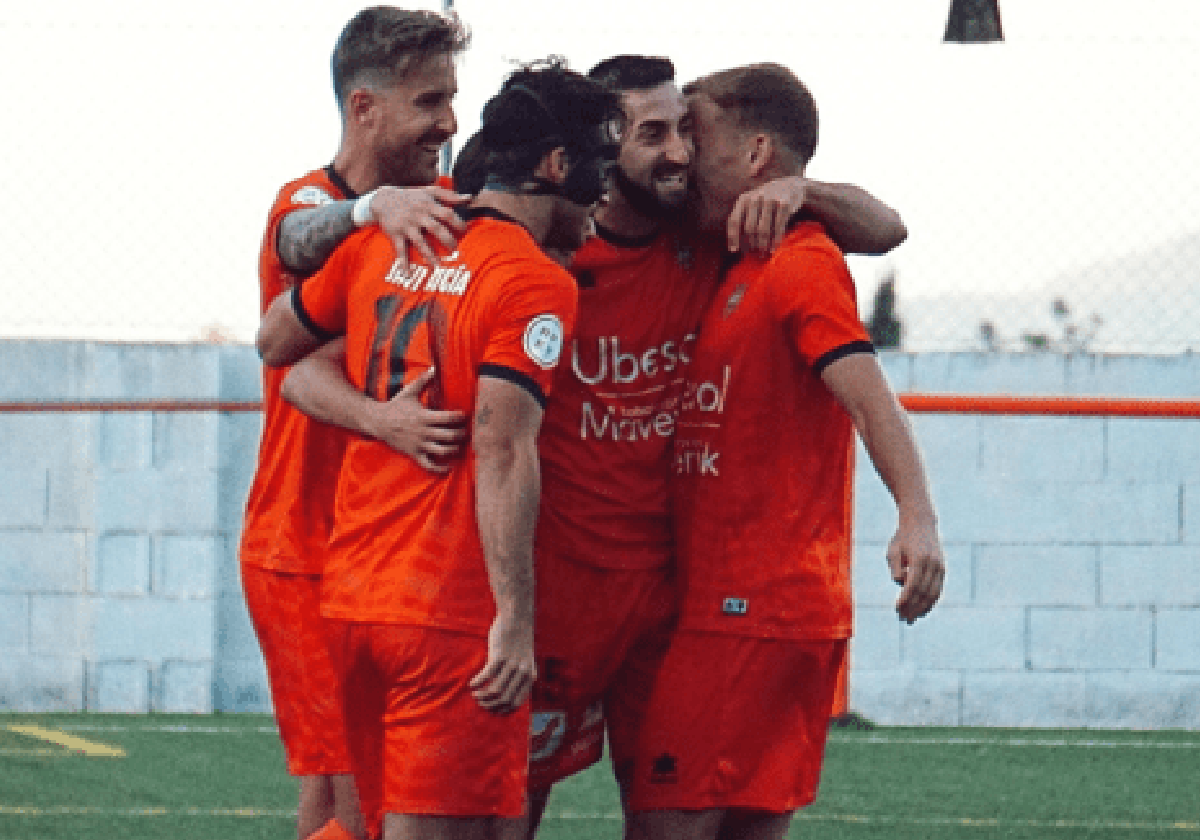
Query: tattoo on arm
column 308, row 237
column 483, row 416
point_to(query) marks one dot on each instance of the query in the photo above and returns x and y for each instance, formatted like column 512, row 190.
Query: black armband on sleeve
column 842, row 352
column 309, row 324
column 517, row 378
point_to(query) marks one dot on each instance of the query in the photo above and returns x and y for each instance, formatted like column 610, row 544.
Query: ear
column 553, row 166
column 360, row 106
column 762, row 152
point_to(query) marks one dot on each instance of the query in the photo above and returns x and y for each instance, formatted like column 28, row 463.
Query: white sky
column 144, row 140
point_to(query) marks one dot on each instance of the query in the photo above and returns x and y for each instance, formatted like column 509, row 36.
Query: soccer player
column 604, row 529
column 393, row 78
column 604, row 532
column 782, row 374
column 428, row 582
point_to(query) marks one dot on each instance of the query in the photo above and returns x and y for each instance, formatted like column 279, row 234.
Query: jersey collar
column 340, row 182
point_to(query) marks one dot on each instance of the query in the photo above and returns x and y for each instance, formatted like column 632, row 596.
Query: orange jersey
column 762, row 455
column 405, row 548
column 606, row 437
column 289, row 510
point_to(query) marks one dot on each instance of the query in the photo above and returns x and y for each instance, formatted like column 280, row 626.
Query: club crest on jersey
column 546, row 734
column 664, row 769
column 311, row 195
column 544, row 340
column 735, row 298
column 735, row 606
column 593, row 715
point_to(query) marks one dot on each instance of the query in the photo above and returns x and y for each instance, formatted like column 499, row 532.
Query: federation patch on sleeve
column 311, row 195
column 544, row 340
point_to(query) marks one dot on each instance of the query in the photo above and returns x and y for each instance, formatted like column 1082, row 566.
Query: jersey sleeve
column 301, row 194
column 322, row 301
column 814, row 291
column 532, row 321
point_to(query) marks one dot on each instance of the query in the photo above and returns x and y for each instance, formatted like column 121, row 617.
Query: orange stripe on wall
column 917, row 403
column 129, row 405
column 1058, row 406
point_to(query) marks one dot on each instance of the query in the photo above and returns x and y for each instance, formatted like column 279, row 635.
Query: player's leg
column 629, row 690
column 676, row 825
column 577, row 653
column 525, row 826
column 363, row 701
column 411, row 827
column 763, row 706
column 450, row 768
column 347, row 810
column 316, row 805
column 284, row 609
column 754, row 825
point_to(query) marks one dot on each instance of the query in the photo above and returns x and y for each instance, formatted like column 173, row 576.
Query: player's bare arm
column 307, row 237
column 857, row 221
column 414, row 216
column 508, row 485
column 318, row 386
column 915, row 552
column 282, row 338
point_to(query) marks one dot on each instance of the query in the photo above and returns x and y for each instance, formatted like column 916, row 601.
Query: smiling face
column 656, row 150
column 415, row 119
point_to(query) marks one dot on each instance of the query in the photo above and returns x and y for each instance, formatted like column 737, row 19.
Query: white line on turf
column 96, row 811
column 966, row 822
column 833, row 737
column 1017, row 742
column 1191, row 826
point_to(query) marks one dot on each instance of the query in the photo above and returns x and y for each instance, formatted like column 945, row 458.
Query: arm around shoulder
column 856, row 220
column 282, row 338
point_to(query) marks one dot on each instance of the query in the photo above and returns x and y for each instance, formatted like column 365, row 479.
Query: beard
column 646, row 201
column 408, row 165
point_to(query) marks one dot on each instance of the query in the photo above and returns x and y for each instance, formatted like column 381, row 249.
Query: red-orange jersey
column 762, row 455
column 606, row 436
column 289, row 510
column 405, row 547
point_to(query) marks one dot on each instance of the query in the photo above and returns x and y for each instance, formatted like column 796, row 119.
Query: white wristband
column 361, row 214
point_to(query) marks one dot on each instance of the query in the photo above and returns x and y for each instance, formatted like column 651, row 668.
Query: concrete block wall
column 1073, row 555
column 118, row 579
column 1073, row 544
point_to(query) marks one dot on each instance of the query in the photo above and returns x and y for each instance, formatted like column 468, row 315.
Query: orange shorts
column 736, row 723
column 420, row 743
column 601, row 634
column 285, row 611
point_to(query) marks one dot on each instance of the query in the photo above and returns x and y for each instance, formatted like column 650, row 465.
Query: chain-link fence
column 1050, row 183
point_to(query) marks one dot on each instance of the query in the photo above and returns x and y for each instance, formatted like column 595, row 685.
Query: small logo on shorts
column 735, row 606
column 663, row 770
column 547, row 733
column 593, row 715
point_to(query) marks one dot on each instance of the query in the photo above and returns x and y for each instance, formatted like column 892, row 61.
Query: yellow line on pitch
column 88, row 748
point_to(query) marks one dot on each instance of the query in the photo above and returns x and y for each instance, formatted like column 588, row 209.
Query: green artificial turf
column 222, row 776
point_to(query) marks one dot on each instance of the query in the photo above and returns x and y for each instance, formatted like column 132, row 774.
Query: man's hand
column 415, row 216
column 760, row 217
column 507, row 676
column 428, row 436
column 915, row 559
